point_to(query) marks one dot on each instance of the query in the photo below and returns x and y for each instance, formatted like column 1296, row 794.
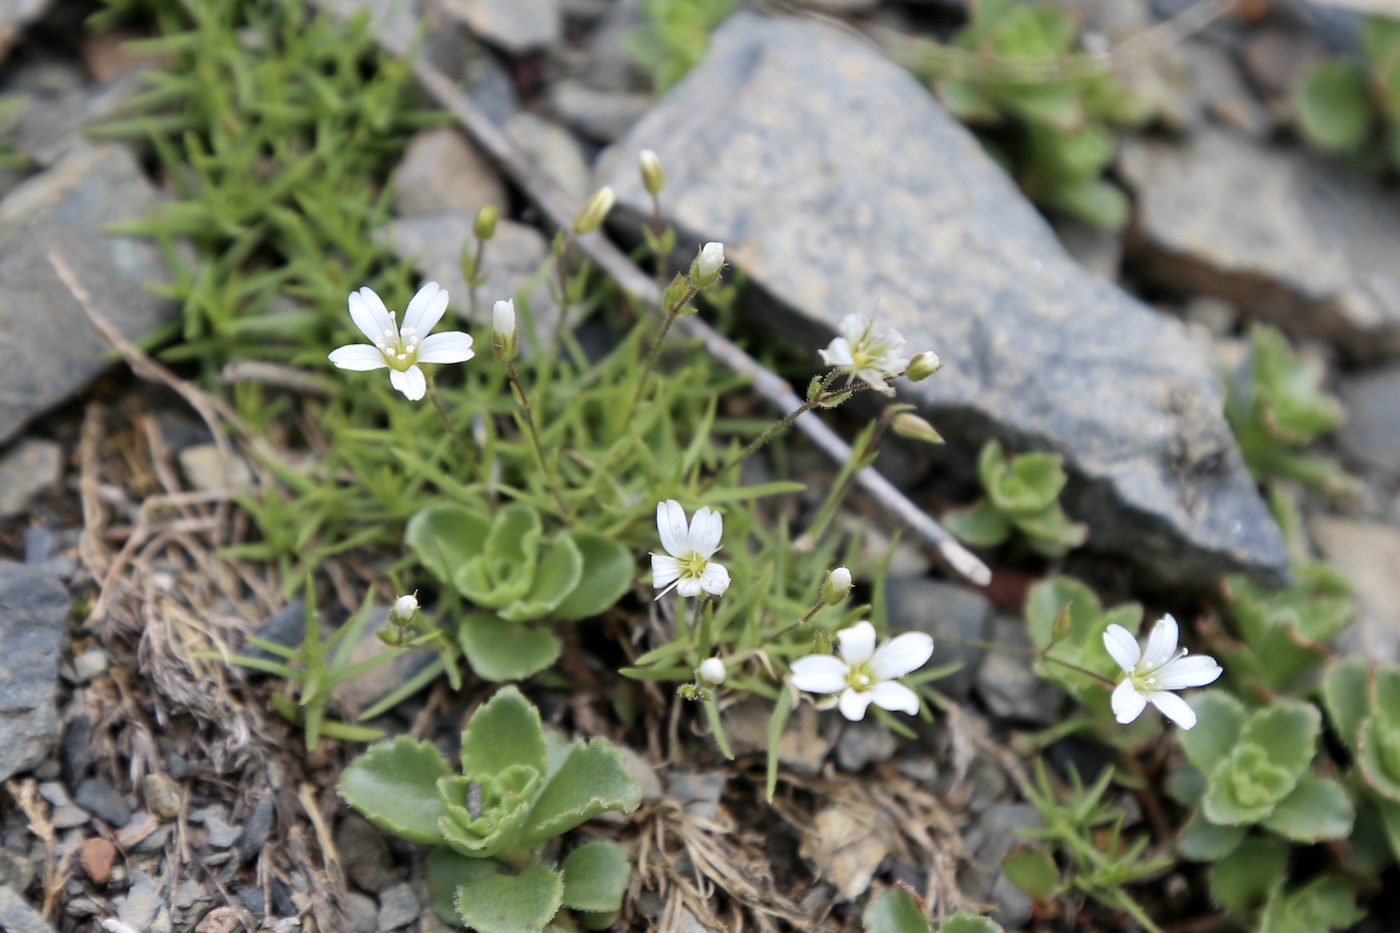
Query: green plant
column 519, row 789
column 898, row 910
column 1275, row 406
column 1087, row 831
column 1353, row 106
column 676, row 37
column 507, row 564
column 1022, row 495
column 1063, row 120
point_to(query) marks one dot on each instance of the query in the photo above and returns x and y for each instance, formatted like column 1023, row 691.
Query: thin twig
column 642, row 288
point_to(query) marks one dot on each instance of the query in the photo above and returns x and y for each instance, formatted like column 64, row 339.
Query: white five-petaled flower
column 686, row 566
column 862, row 353
column 402, row 348
column 865, row 674
column 1152, row 674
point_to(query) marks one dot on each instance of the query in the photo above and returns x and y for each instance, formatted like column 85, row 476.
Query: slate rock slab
column 1284, row 234
column 839, row 184
column 32, row 611
column 64, row 210
column 15, row 15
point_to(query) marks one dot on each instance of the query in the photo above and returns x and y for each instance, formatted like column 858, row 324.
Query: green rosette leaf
column 896, row 911
column 979, row 525
column 1333, row 107
column 504, row 731
column 484, row 815
column 1203, row 841
column 596, row 875
column 394, row 786
column 1246, row 877
column 1345, row 695
column 608, row 572
column 501, row 651
column 448, row 870
column 522, row 903
column 1318, row 808
column 1032, row 869
column 1220, row 719
column 504, row 571
column 970, row 923
column 559, row 570
column 593, row 779
column 444, row 537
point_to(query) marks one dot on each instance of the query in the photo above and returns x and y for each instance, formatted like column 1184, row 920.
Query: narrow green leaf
column 777, row 722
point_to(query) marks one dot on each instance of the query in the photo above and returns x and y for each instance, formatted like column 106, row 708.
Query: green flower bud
column 594, row 211
column 649, row 164
column 923, row 366
column 484, row 226
column 837, row 586
column 704, row 271
column 915, row 428
column 505, row 332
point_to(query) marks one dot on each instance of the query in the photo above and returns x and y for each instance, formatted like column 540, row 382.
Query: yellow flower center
column 693, row 565
column 399, row 348
column 859, row 678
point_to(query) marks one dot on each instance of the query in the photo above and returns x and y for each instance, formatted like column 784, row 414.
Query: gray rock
column 15, row 15
column 511, row 261
column 362, row 913
column 697, row 791
column 218, row 832
column 32, row 611
column 16, row 871
column 643, row 773
column 1100, row 251
column 206, row 469
column 16, row 916
column 441, row 172
column 555, row 151
column 1283, row 234
column 63, row 105
column 65, row 210
column 1008, row 684
column 103, row 801
column 365, row 855
column 255, row 829
column 862, row 743
column 65, row 814
column 138, row 908
column 89, row 664
column 398, row 907
column 943, row 610
column 27, row 470
column 367, row 688
column 778, row 145
column 284, row 627
column 600, row 114
column 987, row 842
column 1371, row 433
column 394, row 22
column 1367, row 554
column 513, row 25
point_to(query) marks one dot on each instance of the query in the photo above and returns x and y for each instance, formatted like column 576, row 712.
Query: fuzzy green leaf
column 1325, row 903
column 394, row 785
column 1203, row 841
column 523, row 903
column 505, row 568
column 1242, row 880
column 1287, row 731
column 1050, row 532
column 1033, row 870
column 979, row 525
column 608, row 572
column 970, row 923
column 501, row 651
column 593, row 779
column 444, row 537
column 596, row 875
column 448, row 869
column 1379, row 756
column 896, row 911
column 559, row 570
column 1030, row 486
column 1333, row 108
column 504, row 731
column 484, row 816
column 1245, row 788
column 1220, row 719
column 1344, row 694
column 1318, row 808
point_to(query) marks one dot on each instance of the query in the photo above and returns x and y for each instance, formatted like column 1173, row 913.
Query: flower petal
column 670, row 522
column 370, row 315
column 1174, row 708
column 451, row 346
column 357, row 357
column 689, row 586
column 853, row 327
column 664, row 570
column 857, row 643
column 1127, row 703
column 425, row 310
column 1193, row 670
column 706, row 528
column 838, row 354
column 1161, row 644
column 895, row 697
column 900, row 655
column 853, row 704
column 1123, row 647
column 715, row 579
column 819, row 673
column 410, row 382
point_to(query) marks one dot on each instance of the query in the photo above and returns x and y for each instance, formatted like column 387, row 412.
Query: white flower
column 401, row 349
column 708, row 262
column 403, row 609
column 711, row 671
column 864, row 674
column 688, row 570
column 863, row 354
column 504, row 330
column 1154, row 673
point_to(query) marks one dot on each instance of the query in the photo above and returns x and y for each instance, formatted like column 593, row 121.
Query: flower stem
column 476, row 277
column 446, row 421
column 1031, row 653
column 672, row 313
column 535, row 442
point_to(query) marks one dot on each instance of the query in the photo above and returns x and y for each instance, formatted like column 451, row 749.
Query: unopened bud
column 705, row 269
column 923, row 366
column 915, row 428
column 821, row 642
column 1059, row 629
column 711, row 671
column 595, row 211
column 837, row 586
column 403, row 610
column 484, row 226
column 649, row 164
column 504, row 331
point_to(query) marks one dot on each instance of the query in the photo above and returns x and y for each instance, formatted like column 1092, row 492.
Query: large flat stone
column 839, row 184
column 1286, row 235
column 32, row 611
column 54, row 350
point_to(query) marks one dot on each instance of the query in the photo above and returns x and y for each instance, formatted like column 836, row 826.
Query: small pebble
column 162, row 795
column 96, row 858
column 103, row 801
column 89, row 664
column 398, row 907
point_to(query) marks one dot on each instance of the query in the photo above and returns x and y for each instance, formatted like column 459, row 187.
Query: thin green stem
column 1031, row 653
column 530, row 429
column 672, row 313
column 658, row 228
column 476, row 277
column 446, row 421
